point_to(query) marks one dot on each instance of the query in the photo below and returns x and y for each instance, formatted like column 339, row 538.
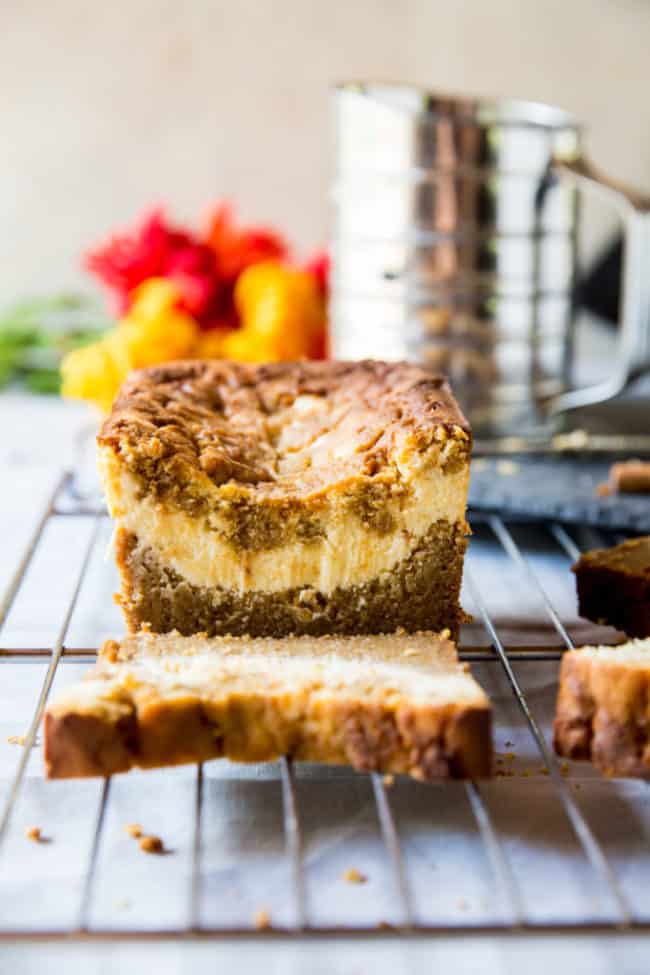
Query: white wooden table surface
column 243, row 864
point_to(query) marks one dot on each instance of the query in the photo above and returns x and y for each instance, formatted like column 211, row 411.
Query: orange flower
column 282, row 315
column 235, row 248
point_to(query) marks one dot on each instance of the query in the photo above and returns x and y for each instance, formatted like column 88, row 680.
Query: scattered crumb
column 509, row 756
column 506, row 468
column 352, row 876
column 630, row 477
column 134, row 830
column 564, row 768
column 262, row 919
column 461, row 904
column 603, row 491
column 385, row 926
column 577, row 785
column 122, row 904
column 526, row 774
column 151, row 844
column 35, row 834
column 544, row 771
column 16, row 739
column 480, row 464
column 389, row 781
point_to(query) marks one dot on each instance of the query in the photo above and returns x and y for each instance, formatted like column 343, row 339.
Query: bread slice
column 603, row 708
column 392, row 703
column 613, row 586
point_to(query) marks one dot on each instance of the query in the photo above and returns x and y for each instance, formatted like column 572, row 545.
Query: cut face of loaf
column 603, row 712
column 313, row 498
column 394, row 703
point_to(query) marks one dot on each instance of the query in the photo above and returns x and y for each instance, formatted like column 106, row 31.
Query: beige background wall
column 106, row 107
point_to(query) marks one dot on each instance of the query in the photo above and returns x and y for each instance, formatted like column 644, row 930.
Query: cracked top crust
column 283, row 429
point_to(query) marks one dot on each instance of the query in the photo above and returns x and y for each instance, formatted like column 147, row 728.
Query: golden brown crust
column 456, row 745
column 385, row 729
column 279, row 431
column 84, row 744
column 603, row 714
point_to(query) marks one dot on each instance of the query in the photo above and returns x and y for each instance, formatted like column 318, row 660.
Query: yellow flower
column 154, row 331
column 281, row 312
column 91, row 373
column 210, row 345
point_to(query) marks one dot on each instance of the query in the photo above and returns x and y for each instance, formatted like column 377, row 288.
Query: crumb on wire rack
column 262, row 919
column 354, row 876
column 35, row 834
column 151, row 844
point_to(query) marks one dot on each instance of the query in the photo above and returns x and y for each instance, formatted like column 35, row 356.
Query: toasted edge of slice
column 603, row 711
column 395, row 703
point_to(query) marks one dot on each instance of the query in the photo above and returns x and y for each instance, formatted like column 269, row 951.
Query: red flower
column 156, row 249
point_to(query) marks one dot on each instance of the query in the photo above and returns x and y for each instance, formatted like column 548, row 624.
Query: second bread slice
column 393, row 703
column 602, row 711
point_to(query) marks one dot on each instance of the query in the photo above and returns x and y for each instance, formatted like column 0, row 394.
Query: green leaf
column 36, row 333
column 43, row 381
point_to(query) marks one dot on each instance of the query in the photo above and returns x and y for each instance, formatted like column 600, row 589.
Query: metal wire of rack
column 510, row 903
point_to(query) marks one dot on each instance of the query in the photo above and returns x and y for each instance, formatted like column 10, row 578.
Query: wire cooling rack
column 262, row 850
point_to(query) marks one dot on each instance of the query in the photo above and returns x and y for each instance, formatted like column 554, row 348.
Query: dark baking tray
column 562, row 489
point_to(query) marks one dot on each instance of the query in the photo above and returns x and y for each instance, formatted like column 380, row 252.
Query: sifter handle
column 635, row 302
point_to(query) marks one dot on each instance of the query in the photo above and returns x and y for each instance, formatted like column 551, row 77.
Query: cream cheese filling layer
column 348, row 555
